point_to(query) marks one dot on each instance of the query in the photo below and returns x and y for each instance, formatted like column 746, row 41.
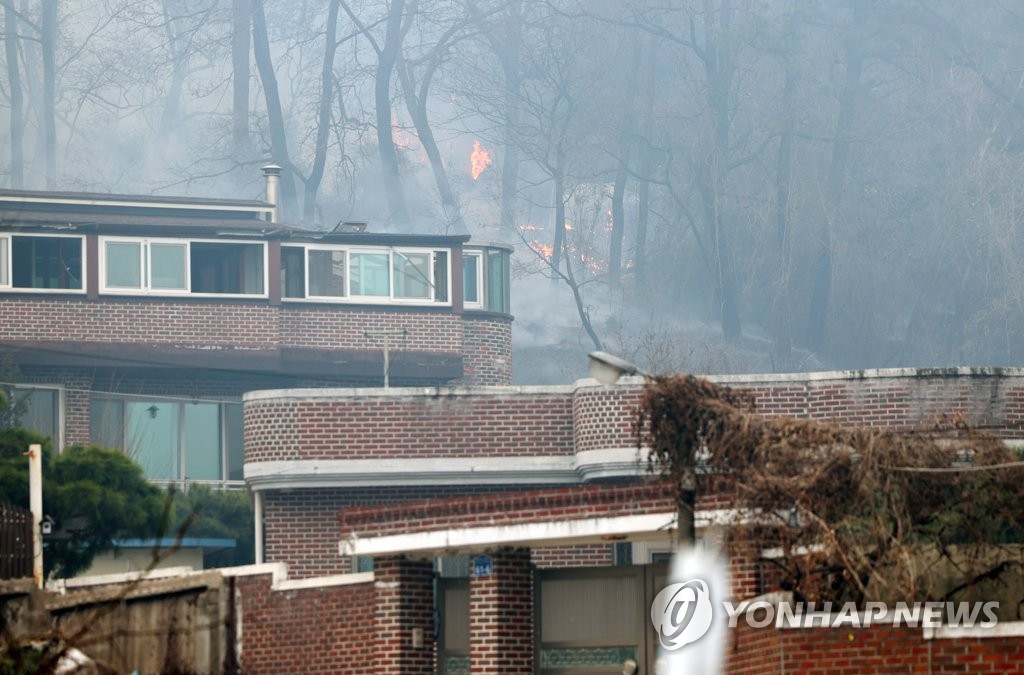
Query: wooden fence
column 15, row 542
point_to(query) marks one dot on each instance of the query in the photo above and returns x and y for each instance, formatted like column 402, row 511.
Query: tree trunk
column 559, row 239
column 782, row 334
column 821, row 293
column 718, row 67
column 48, row 25
column 179, row 67
column 275, row 117
column 240, row 20
column 316, row 173
column 618, row 224
column 382, row 99
column 510, row 153
column 416, row 103
column 17, row 120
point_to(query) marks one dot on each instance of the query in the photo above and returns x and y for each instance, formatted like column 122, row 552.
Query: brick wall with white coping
column 301, row 526
column 519, row 421
column 405, row 423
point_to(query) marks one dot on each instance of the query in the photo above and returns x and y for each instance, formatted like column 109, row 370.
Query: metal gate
column 591, row 620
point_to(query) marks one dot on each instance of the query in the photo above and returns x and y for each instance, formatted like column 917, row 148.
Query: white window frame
column 481, row 292
column 305, row 277
column 10, row 236
column 429, row 300
column 5, row 260
column 389, row 299
column 266, row 264
column 146, row 264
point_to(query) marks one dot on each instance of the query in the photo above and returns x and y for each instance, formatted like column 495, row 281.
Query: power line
column 115, row 394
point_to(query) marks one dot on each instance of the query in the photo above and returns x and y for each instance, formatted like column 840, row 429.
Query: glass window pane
column 152, row 437
column 470, row 289
column 167, row 266
column 370, row 274
column 412, row 275
column 106, row 423
column 124, row 269
column 327, row 274
column 441, row 276
column 226, row 268
column 202, row 441
column 293, row 272
column 39, row 411
column 4, row 242
column 236, row 453
column 497, row 281
column 46, row 262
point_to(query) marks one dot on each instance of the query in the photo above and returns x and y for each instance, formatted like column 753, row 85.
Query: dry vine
column 858, row 514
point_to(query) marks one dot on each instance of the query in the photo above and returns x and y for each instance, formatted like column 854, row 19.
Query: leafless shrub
column 857, row 513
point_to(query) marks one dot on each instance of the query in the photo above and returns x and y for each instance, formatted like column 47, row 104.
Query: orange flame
column 479, row 160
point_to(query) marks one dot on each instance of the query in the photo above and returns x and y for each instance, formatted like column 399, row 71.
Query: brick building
column 447, row 523
column 138, row 322
column 526, row 517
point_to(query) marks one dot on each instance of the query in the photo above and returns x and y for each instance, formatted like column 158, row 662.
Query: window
column 498, row 281
column 38, row 409
column 472, row 280
column 167, row 265
column 370, row 274
column 293, row 272
column 485, row 279
column 327, row 273
column 377, row 275
column 5, row 245
column 123, row 264
column 45, row 262
column 412, row 275
column 172, row 440
column 227, row 268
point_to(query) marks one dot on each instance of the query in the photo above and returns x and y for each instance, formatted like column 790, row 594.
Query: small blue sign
column 482, row 566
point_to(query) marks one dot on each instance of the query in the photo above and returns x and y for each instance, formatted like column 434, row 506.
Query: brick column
column 404, row 614
column 501, row 616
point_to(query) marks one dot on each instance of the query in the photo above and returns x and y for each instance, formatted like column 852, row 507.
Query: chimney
column 272, row 172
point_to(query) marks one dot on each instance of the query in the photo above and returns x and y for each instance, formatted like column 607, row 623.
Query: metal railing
column 15, row 542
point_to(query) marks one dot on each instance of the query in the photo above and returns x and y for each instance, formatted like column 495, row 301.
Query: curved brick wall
column 557, row 421
column 605, row 417
column 487, row 349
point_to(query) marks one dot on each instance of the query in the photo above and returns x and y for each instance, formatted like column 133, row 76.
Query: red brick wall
column 581, row 555
column 301, row 526
column 399, row 426
column 554, row 421
column 876, row 649
column 605, row 417
column 486, row 349
column 257, row 325
column 404, row 603
column 314, row 630
column 501, row 616
column 508, row 508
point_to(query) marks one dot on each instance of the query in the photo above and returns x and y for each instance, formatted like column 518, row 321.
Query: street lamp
column 608, row 369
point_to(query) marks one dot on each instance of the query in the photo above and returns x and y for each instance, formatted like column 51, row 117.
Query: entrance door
column 453, row 631
column 591, row 620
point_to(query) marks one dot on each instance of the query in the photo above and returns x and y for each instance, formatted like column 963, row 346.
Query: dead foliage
column 859, row 514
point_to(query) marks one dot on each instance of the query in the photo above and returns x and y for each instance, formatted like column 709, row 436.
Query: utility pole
column 35, row 499
column 387, row 335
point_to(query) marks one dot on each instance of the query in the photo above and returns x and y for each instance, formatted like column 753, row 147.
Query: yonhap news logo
column 682, row 613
